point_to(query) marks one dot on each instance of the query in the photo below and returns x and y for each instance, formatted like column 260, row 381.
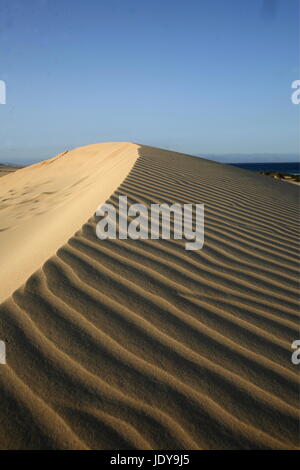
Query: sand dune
column 124, row 344
column 42, row 205
column 8, row 169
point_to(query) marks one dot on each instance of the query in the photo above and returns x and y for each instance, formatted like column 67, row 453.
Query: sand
column 124, row 344
column 8, row 169
column 42, row 205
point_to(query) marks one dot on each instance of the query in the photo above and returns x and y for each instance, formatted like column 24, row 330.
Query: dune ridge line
column 43, row 205
column 140, row 344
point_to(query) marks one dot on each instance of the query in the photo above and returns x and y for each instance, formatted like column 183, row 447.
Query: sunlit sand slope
column 124, row 344
column 42, row 205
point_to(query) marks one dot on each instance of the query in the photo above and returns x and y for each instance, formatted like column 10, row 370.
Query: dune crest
column 124, row 344
column 42, row 205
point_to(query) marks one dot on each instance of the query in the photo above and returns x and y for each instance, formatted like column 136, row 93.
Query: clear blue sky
column 197, row 76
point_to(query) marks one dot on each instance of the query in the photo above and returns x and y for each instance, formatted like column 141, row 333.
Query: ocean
column 284, row 167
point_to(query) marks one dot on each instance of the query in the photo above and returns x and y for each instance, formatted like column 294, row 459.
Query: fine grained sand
column 124, row 344
column 8, row 169
column 42, row 205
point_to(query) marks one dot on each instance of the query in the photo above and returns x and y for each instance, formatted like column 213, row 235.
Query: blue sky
column 197, row 76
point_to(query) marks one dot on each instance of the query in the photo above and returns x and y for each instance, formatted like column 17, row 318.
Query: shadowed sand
column 8, row 169
column 124, row 344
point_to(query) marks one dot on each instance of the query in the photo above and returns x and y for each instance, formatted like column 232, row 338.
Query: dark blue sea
column 284, row 167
